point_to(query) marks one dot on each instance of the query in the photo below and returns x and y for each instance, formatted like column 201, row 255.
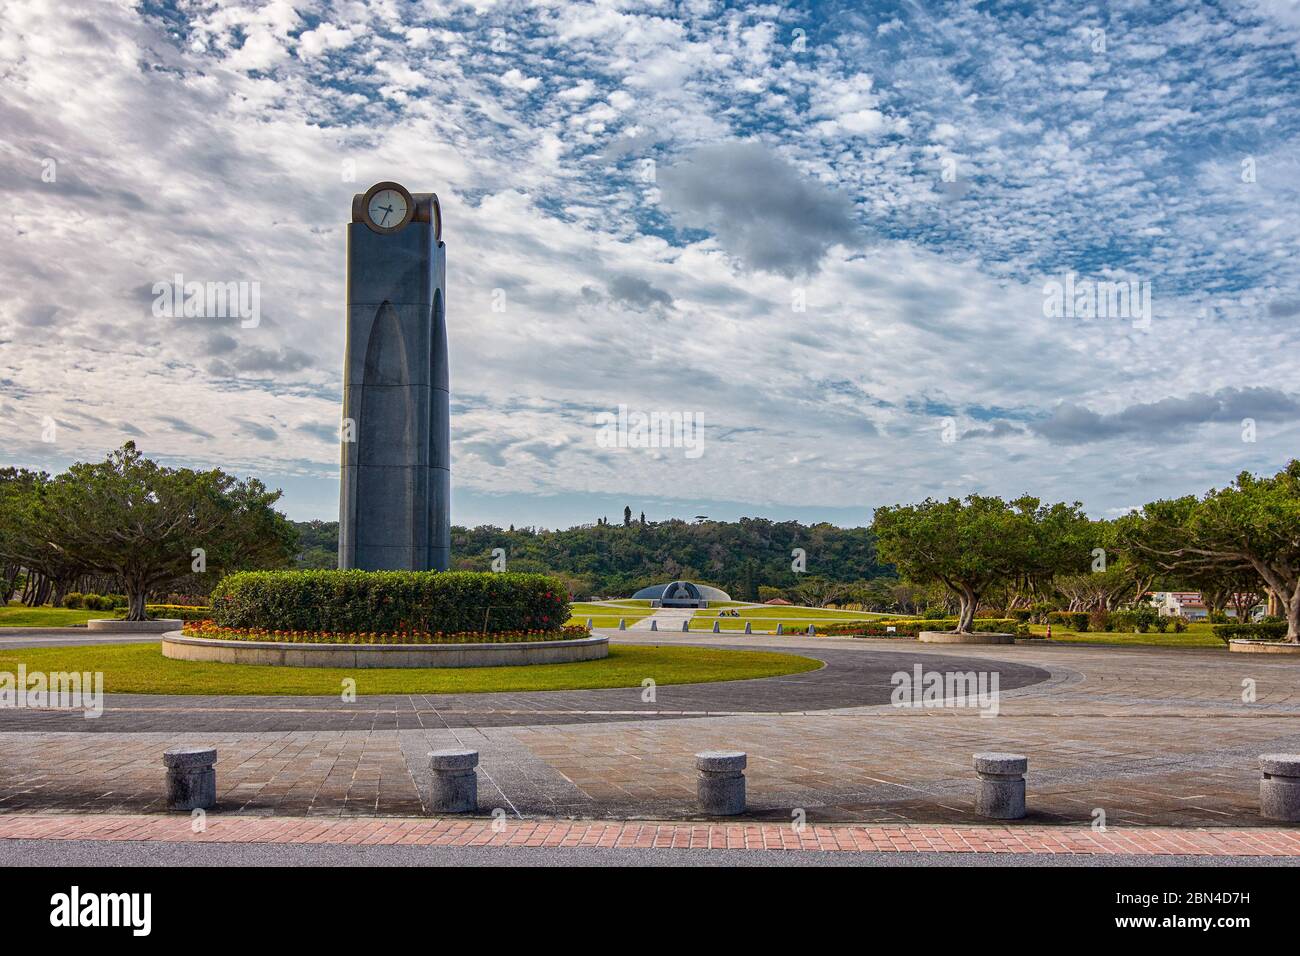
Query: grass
column 796, row 612
column 1196, row 635
column 19, row 615
column 604, row 616
column 141, row 669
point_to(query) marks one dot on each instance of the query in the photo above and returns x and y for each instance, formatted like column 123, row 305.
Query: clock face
column 387, row 209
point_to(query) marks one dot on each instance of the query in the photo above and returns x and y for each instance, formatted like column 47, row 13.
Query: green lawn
column 141, row 669
column 603, row 615
column 1196, row 635
column 19, row 615
column 796, row 611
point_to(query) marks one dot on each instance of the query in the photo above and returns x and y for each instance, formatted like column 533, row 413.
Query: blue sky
column 824, row 229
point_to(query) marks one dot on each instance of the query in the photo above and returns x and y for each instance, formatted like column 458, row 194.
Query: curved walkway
column 1134, row 736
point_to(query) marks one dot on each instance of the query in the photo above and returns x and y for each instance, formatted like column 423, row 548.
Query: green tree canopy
column 1251, row 525
column 143, row 522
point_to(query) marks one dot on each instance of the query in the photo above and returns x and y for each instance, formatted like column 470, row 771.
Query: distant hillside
column 616, row 559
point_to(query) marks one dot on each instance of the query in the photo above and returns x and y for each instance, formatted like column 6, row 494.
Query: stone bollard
column 749, row 628
column 721, row 787
column 622, row 624
column 191, row 778
column 686, row 624
column 654, row 625
column 812, row 630
column 1279, row 787
column 780, row 628
column 589, row 624
column 455, row 782
column 717, row 627
column 1001, row 794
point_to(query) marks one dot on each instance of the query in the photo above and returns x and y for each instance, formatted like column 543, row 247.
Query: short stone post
column 721, row 787
column 1279, row 787
column 654, row 625
column 717, row 627
column 454, row 786
column 1001, row 794
column 589, row 624
column 749, row 628
column 191, row 778
column 686, row 624
column 622, row 624
column 780, row 628
column 812, row 630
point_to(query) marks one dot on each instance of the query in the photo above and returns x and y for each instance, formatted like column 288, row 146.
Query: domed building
column 681, row 594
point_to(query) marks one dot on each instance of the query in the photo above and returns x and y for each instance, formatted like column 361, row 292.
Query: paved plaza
column 1149, row 737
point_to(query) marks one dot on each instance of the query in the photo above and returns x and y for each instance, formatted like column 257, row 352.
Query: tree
column 152, row 525
column 967, row 544
column 1251, row 525
column 815, row 591
column 23, row 543
column 627, row 516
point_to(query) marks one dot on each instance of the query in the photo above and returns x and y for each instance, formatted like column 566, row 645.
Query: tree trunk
column 969, row 600
column 1293, row 616
column 135, row 597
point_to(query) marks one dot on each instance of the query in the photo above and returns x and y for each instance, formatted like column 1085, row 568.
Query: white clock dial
column 387, row 208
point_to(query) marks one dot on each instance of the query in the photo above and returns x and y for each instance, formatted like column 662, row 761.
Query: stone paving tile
column 1147, row 736
column 983, row 838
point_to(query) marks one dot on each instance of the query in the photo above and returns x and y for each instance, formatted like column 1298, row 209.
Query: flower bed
column 212, row 631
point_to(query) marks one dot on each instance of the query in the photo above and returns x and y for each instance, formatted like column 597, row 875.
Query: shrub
column 1217, row 617
column 910, row 627
column 390, row 601
column 1021, row 614
column 74, row 599
column 934, row 614
column 1074, row 620
column 181, row 611
column 95, row 602
column 1099, row 620
column 1251, row 632
column 1180, row 623
column 1140, row 619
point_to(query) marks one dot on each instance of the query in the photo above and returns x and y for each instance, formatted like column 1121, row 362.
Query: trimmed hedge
column 1263, row 631
column 1075, row 620
column 910, row 627
column 390, row 601
column 185, row 612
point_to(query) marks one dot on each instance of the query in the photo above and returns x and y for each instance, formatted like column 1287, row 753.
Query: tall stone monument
column 395, row 501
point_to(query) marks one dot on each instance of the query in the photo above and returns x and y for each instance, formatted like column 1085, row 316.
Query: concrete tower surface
column 395, row 499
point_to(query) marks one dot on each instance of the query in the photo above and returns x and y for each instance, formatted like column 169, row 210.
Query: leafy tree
column 23, row 543
column 141, row 521
column 814, row 591
column 968, row 544
column 627, row 516
column 1253, row 524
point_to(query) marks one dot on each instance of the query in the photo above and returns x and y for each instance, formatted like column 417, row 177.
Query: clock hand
column 388, row 211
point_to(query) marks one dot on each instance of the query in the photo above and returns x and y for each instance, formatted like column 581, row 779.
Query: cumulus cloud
column 762, row 209
column 1169, row 418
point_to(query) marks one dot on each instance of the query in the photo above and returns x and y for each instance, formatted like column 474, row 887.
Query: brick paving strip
column 1170, row 841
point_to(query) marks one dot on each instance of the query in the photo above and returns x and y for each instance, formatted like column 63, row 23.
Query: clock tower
column 395, row 495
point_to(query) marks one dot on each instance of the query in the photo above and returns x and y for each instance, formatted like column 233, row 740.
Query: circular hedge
column 387, row 601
